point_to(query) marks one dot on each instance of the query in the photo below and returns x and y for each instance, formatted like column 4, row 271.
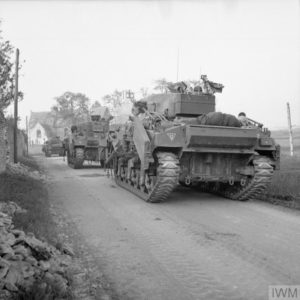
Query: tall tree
column 6, row 92
column 115, row 99
column 161, row 85
column 96, row 104
column 72, row 106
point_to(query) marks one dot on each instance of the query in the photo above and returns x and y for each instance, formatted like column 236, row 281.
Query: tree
column 96, row 104
column 6, row 92
column 115, row 99
column 72, row 106
column 162, row 85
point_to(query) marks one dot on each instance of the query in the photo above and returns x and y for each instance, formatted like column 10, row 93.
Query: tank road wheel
column 79, row 158
column 136, row 183
column 123, row 173
column 134, row 179
column 149, row 183
column 157, row 188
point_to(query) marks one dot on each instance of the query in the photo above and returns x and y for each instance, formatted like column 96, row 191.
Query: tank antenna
column 177, row 72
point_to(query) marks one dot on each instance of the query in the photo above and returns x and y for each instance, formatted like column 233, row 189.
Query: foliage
column 96, row 104
column 115, row 99
column 73, row 106
column 6, row 74
column 161, row 85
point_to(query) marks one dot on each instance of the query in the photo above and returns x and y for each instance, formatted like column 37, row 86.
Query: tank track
column 166, row 179
column 263, row 173
column 77, row 161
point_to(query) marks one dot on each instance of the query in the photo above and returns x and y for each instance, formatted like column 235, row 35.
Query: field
column 286, row 182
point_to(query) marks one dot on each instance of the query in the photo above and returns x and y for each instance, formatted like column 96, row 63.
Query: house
column 44, row 125
column 40, row 127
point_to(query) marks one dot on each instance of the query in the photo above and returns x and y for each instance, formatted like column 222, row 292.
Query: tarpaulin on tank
column 219, row 119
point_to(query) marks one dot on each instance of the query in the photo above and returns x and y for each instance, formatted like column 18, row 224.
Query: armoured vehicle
column 178, row 137
column 88, row 140
column 53, row 146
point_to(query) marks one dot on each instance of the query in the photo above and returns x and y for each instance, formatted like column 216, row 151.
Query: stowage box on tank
column 181, row 104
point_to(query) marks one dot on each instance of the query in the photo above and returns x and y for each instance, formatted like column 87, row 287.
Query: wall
column 22, row 143
column 2, row 142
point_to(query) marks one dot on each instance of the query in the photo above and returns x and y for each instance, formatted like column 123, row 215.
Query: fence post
column 290, row 129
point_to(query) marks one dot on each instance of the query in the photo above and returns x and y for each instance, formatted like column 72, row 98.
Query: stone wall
column 7, row 143
column 22, row 142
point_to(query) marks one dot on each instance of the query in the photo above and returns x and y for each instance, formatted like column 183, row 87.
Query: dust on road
column 194, row 246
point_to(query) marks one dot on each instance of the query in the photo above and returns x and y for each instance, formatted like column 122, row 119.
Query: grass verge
column 31, row 194
column 285, row 187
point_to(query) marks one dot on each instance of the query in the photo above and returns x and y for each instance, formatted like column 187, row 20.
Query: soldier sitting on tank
column 243, row 119
column 139, row 108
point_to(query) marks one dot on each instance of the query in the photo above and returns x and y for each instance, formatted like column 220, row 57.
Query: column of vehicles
column 179, row 138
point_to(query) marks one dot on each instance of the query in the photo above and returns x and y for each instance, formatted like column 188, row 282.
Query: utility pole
column 27, row 142
column 16, row 109
column 290, row 129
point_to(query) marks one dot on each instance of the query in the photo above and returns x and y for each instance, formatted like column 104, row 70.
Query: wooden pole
column 16, row 109
column 27, row 135
column 290, row 129
column 177, row 71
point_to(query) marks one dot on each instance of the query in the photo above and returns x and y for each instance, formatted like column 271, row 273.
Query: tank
column 87, row 141
column 53, row 146
column 179, row 138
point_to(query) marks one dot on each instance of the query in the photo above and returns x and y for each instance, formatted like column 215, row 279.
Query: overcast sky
column 94, row 47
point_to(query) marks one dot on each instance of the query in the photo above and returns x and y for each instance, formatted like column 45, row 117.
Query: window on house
column 38, row 134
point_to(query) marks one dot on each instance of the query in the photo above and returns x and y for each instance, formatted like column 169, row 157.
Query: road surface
column 194, row 246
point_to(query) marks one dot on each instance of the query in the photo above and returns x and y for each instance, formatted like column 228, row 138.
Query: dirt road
column 194, row 246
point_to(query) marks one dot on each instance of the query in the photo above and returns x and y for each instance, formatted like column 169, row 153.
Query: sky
column 252, row 47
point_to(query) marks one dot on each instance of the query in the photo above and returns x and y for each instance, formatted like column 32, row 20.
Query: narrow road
column 194, row 246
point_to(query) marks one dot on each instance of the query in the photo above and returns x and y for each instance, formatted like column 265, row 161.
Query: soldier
column 243, row 119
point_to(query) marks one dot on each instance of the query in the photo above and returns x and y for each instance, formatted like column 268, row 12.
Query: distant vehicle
column 88, row 140
column 178, row 137
column 53, row 146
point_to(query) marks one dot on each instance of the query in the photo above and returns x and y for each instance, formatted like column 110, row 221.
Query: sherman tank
column 53, row 146
column 88, row 140
column 178, row 137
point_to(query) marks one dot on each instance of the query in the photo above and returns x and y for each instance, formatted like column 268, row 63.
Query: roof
column 45, row 118
column 41, row 117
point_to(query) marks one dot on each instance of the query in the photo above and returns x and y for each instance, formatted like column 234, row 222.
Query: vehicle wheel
column 79, row 158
